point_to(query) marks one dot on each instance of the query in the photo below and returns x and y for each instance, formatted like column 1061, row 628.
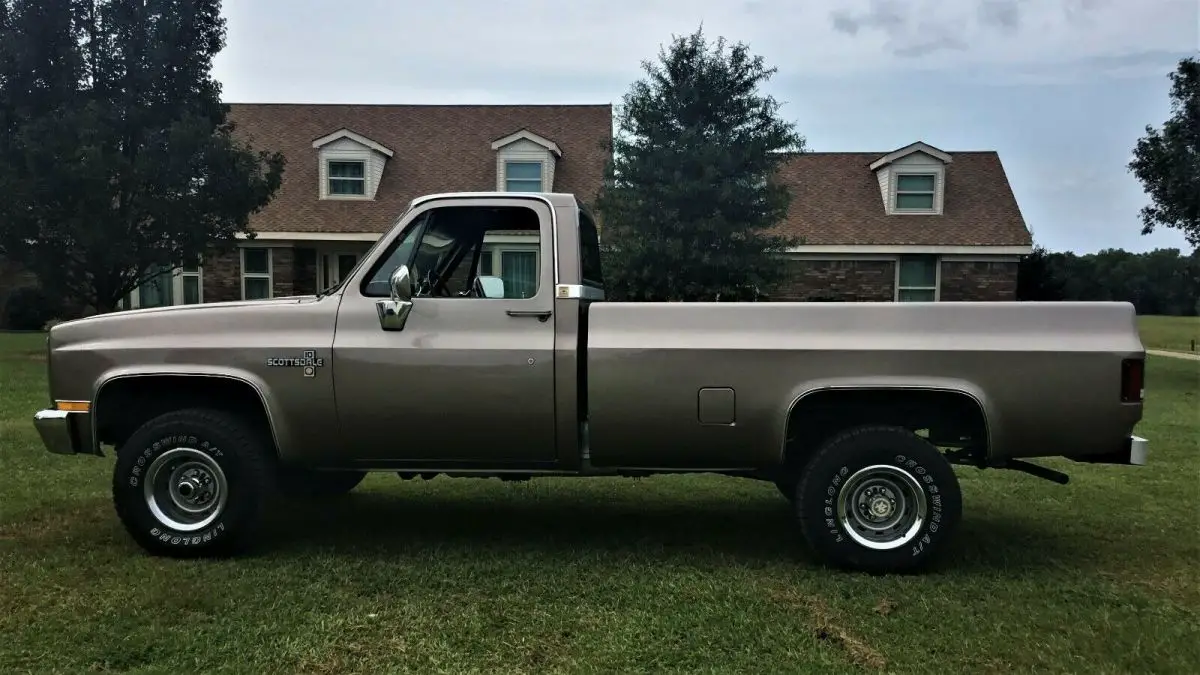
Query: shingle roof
column 836, row 200
column 438, row 148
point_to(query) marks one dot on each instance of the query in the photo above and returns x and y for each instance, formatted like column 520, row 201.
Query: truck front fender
column 237, row 375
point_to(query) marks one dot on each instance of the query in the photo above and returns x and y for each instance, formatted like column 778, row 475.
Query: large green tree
column 117, row 159
column 690, row 196
column 1167, row 161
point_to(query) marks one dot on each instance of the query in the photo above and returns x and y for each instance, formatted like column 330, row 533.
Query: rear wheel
column 192, row 482
column 878, row 499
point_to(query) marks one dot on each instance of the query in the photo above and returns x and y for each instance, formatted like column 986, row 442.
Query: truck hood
column 266, row 315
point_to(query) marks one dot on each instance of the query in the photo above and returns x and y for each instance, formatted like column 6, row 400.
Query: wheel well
column 127, row 403
column 946, row 418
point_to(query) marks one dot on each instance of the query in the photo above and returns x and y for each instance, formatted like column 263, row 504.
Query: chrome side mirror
column 490, row 287
column 393, row 313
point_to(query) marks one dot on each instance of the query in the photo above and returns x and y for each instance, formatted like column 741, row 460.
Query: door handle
column 539, row 314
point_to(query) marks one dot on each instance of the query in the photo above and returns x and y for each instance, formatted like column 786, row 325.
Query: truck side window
column 589, row 252
column 457, row 244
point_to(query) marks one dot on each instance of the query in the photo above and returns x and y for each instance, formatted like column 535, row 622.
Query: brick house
column 352, row 170
column 914, row 224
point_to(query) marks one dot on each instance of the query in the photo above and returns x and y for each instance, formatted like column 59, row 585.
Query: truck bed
column 712, row 384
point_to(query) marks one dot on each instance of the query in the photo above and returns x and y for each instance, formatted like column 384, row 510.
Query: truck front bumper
column 63, row 432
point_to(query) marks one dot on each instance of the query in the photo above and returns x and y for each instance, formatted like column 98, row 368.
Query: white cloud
column 480, row 44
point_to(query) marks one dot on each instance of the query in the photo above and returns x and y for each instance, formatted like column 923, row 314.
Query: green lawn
column 666, row 574
column 1174, row 333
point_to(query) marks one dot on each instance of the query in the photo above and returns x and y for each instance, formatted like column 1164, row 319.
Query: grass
column 1171, row 333
column 695, row 574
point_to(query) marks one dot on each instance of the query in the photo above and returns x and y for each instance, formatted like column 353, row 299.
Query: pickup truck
column 421, row 362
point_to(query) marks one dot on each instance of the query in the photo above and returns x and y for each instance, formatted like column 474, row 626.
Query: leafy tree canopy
column 116, row 156
column 1167, row 161
column 689, row 199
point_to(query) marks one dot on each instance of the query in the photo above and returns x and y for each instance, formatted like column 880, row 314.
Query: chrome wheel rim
column 882, row 507
column 185, row 489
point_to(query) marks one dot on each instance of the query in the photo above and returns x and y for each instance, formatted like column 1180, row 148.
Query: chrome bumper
column 57, row 429
column 1132, row 453
column 1138, row 447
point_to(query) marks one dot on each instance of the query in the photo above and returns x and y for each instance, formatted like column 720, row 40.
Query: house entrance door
column 334, row 267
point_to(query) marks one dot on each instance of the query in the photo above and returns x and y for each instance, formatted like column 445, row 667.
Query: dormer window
column 351, row 165
column 912, row 180
column 915, row 191
column 525, row 162
column 523, row 176
column 347, row 177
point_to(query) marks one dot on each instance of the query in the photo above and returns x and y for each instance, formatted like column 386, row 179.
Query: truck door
column 467, row 378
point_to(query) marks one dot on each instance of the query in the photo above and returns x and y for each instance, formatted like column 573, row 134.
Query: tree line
column 1162, row 281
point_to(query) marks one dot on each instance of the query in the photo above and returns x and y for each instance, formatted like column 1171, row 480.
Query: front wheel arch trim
column 258, row 390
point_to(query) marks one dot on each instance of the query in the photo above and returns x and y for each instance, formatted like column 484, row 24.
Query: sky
column 1061, row 89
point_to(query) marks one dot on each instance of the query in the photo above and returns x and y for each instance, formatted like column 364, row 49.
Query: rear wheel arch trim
column 256, row 387
column 959, row 389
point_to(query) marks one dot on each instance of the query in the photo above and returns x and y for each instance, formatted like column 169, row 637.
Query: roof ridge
column 881, row 153
column 422, row 105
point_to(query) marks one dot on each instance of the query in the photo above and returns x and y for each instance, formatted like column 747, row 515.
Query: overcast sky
column 1061, row 89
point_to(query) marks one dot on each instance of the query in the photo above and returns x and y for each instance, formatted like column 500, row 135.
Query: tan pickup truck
column 421, row 363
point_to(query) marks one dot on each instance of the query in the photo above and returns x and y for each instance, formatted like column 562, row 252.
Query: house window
column 917, row 278
column 347, row 178
column 190, row 285
column 256, row 273
column 157, row 291
column 914, row 192
column 518, row 267
column 523, row 176
column 167, row 287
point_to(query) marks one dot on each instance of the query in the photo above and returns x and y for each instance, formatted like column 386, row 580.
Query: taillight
column 1133, row 380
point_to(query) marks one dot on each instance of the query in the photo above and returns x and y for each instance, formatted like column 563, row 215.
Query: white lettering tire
column 193, row 483
column 878, row 499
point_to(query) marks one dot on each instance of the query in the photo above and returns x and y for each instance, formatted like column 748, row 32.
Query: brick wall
column 843, row 280
column 304, row 271
column 283, row 271
column 222, row 280
column 979, row 281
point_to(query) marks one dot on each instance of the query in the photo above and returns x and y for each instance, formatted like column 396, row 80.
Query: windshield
column 366, row 255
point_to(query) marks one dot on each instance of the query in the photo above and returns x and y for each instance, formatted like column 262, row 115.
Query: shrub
column 29, row 308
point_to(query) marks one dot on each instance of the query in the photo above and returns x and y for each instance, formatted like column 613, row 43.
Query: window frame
column 495, row 253
column 541, row 165
column 329, row 178
column 932, row 192
column 133, row 300
column 182, row 274
column 937, row 277
column 269, row 275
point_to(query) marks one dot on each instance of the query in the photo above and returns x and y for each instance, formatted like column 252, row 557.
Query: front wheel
column 192, row 482
column 878, row 499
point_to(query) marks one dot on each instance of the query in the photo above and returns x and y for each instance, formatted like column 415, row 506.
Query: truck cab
column 469, row 312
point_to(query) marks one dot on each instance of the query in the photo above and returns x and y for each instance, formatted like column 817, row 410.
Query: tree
column 117, row 160
column 1037, row 278
column 1167, row 162
column 689, row 197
